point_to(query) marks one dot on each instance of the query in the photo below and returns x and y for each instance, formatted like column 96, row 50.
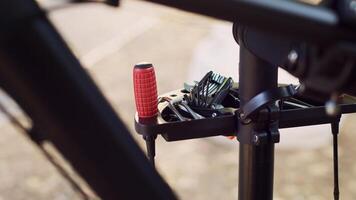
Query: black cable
column 64, row 173
column 35, row 138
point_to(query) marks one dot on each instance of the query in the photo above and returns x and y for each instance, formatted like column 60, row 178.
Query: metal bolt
column 244, row 120
column 256, row 139
column 332, row 109
column 331, row 106
column 293, row 57
column 214, row 115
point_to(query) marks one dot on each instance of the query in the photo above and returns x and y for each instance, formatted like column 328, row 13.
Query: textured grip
column 145, row 90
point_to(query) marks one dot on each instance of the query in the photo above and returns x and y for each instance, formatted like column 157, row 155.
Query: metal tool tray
column 227, row 125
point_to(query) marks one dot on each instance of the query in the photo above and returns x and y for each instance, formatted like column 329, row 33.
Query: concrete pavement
column 182, row 46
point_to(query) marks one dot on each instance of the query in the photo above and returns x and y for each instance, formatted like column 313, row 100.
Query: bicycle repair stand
column 255, row 123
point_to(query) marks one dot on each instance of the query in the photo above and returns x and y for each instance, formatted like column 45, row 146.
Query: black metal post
column 335, row 132
column 256, row 161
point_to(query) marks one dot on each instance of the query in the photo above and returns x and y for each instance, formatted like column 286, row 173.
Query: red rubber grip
column 145, row 88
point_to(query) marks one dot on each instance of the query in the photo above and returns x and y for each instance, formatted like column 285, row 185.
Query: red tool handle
column 145, row 88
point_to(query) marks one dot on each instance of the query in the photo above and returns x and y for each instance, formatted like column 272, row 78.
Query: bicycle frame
column 284, row 18
column 48, row 82
column 40, row 72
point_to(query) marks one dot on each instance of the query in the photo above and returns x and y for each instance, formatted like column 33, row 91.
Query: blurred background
column 183, row 47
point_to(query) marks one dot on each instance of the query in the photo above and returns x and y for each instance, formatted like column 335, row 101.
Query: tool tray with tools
column 211, row 107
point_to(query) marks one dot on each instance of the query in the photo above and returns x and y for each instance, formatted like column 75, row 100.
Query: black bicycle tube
column 284, row 18
column 40, row 72
column 256, row 162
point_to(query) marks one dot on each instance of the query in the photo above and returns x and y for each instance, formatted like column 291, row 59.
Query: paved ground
column 109, row 42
